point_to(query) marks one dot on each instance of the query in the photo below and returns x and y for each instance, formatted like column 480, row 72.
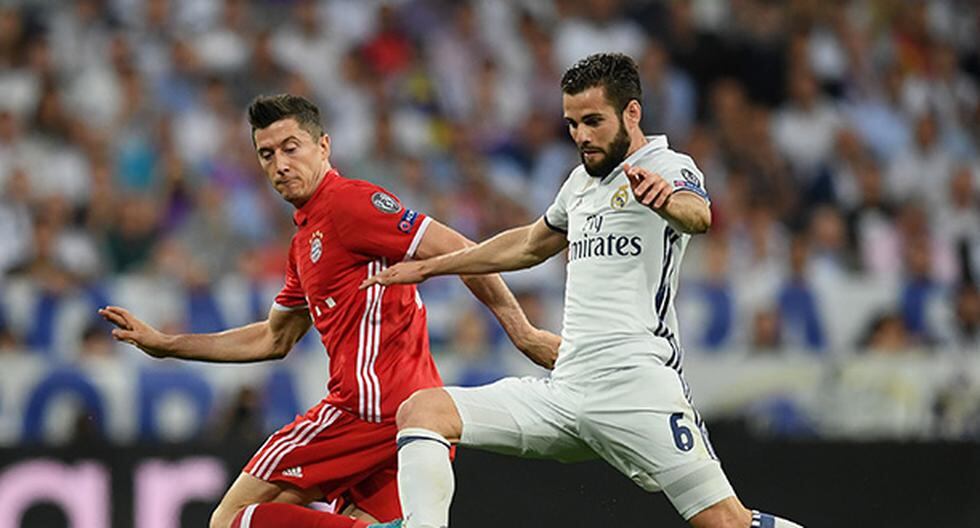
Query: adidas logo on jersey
column 294, row 472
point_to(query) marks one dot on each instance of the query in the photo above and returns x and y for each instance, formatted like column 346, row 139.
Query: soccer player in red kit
column 347, row 230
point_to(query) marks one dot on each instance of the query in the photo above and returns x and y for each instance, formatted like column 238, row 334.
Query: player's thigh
column 333, row 452
column 376, row 497
column 247, row 490
column 642, row 422
column 529, row 417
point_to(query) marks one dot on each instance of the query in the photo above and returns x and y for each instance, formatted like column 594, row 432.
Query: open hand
column 401, row 273
column 650, row 188
column 130, row 329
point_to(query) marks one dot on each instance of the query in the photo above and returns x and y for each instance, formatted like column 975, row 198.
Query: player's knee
column 430, row 409
column 414, row 411
column 220, row 518
column 223, row 516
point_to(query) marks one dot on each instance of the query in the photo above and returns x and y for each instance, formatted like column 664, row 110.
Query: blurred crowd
column 840, row 142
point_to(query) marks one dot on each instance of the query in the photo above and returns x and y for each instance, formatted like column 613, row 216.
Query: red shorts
column 345, row 457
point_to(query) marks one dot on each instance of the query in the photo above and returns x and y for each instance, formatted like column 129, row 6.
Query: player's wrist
column 428, row 269
column 522, row 334
column 165, row 345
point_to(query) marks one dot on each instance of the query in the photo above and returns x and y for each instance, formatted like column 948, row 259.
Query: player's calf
column 730, row 513
column 428, row 424
column 765, row 520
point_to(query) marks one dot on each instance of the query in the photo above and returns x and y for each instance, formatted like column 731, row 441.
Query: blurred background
column 834, row 301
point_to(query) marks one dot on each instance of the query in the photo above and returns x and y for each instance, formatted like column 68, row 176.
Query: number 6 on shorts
column 683, row 438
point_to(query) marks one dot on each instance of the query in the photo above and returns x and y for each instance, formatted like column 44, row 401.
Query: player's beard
column 613, row 154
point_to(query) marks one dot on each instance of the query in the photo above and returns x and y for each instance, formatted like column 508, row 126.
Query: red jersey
column 376, row 339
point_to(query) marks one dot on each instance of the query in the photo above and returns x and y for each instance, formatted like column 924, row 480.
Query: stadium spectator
column 887, row 334
column 966, row 302
column 799, row 309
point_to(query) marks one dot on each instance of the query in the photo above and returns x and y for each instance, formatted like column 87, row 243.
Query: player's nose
column 282, row 165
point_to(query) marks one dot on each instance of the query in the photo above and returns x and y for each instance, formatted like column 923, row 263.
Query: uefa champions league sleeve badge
column 385, row 203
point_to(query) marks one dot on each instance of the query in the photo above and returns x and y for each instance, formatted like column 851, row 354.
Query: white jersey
column 623, row 262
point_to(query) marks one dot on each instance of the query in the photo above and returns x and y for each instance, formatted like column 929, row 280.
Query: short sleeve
column 684, row 176
column 291, row 296
column 556, row 217
column 373, row 222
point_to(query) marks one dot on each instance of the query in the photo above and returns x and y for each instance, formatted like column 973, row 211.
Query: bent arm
column 688, row 212
column 518, row 248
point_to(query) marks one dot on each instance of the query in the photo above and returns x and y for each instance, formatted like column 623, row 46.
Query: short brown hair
column 267, row 109
column 615, row 72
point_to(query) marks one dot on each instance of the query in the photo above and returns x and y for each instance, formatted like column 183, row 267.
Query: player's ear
column 632, row 113
column 325, row 145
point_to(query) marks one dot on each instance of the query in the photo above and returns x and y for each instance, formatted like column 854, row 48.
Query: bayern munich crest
column 316, row 247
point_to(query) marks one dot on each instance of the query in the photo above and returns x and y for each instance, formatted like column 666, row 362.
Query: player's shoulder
column 350, row 194
column 670, row 159
column 576, row 178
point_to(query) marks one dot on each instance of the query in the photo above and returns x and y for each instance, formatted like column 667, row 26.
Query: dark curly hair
column 267, row 109
column 615, row 72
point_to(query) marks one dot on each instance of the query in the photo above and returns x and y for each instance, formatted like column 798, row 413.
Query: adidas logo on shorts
column 294, row 472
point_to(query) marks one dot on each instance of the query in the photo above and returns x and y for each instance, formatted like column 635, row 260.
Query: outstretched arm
column 269, row 339
column 538, row 345
column 518, row 248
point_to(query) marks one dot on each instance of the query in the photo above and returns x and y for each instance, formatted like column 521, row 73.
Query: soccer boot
column 397, row 523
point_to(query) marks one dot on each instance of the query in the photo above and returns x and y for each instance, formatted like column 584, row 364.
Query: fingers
column 383, row 278
column 125, row 336
column 650, row 189
column 115, row 316
column 368, row 282
column 632, row 174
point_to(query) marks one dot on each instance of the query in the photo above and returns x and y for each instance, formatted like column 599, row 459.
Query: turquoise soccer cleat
column 397, row 523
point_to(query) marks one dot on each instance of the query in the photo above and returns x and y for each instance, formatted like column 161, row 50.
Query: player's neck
column 637, row 141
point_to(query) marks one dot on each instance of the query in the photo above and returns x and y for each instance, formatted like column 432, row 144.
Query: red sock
column 276, row 514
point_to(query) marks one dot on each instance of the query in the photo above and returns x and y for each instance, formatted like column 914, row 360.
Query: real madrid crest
column 621, row 197
column 316, row 246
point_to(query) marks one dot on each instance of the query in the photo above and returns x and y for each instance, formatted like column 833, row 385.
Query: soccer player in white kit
column 617, row 390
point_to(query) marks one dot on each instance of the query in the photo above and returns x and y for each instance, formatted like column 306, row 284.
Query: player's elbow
column 278, row 346
column 702, row 221
column 697, row 221
column 279, row 352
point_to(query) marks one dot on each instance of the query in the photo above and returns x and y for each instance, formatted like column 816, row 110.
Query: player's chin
column 289, row 195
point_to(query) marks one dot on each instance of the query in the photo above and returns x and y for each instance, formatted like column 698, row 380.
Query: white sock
column 765, row 520
column 425, row 478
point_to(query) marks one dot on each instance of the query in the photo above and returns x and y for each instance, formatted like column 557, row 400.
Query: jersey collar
column 301, row 215
column 654, row 143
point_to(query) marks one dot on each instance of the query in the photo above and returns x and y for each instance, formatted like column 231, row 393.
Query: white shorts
column 640, row 420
